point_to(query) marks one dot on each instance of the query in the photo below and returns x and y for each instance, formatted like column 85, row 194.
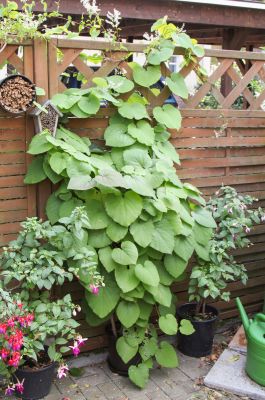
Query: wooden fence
column 220, row 146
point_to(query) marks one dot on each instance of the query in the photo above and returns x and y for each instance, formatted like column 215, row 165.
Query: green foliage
column 234, row 219
column 141, row 217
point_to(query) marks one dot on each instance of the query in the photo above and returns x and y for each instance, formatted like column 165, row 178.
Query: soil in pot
column 200, row 343
column 17, row 94
column 115, row 363
column 37, row 377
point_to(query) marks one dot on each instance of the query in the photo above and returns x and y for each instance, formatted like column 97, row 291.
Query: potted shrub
column 44, row 327
column 142, row 218
column 210, row 276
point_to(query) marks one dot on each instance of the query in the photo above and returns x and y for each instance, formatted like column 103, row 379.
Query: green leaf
column 177, row 85
column 204, row 218
column 148, row 348
column 123, row 209
column 106, row 259
column 133, row 111
column 165, row 278
column 125, row 278
column 58, row 162
column 89, row 105
column 116, row 136
column 167, row 151
column 146, row 76
column 64, row 101
column 39, row 144
column 97, row 215
column 52, row 208
column 157, row 56
column 128, row 313
column 168, row 115
column 161, row 294
column 91, row 318
column 168, row 324
column 126, row 255
column 77, row 112
column 116, row 232
column 163, row 237
column 137, row 157
column 147, row 273
column 107, row 299
column 139, row 375
column 143, row 132
column 125, row 351
column 202, row 251
column 98, row 239
column 175, row 265
column 186, row 327
column 51, row 175
column 202, row 234
column 183, row 40
column 35, row 172
column 184, row 247
column 120, row 84
column 67, row 207
column 142, row 232
column 166, row 356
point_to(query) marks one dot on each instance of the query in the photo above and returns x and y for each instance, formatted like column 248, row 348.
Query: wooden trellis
column 222, row 146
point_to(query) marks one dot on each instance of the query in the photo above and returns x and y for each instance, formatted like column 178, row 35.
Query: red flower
column 3, row 328
column 14, row 360
column 4, row 354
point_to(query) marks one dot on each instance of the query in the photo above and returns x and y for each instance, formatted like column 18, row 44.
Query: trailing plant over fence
column 144, row 223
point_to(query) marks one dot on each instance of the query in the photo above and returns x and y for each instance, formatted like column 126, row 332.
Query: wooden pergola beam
column 177, row 11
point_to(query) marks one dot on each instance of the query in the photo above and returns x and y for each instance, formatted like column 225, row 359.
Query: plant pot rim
column 34, row 371
column 193, row 305
column 7, row 78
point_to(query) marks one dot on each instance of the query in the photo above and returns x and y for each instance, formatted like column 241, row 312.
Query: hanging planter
column 17, row 94
column 46, row 117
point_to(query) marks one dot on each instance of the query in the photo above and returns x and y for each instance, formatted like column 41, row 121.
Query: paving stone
column 93, row 393
column 87, row 360
column 69, row 388
column 157, row 395
column 127, row 387
column 112, row 392
column 229, row 374
column 90, row 370
column 54, row 394
column 193, row 367
column 93, row 380
column 239, row 341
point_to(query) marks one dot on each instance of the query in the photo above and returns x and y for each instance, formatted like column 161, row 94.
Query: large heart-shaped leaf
column 142, row 132
column 186, row 327
column 184, row 247
column 168, row 324
column 89, row 105
column 142, row 232
column 125, row 351
column 128, row 313
column 168, row 115
column 120, row 84
column 177, row 85
column 116, row 232
column 52, row 208
column 125, row 278
column 161, row 294
column 97, row 215
column 133, row 111
column 147, row 273
column 39, row 144
column 175, row 265
column 107, row 299
column 148, row 348
column 204, row 218
column 98, row 239
column 35, row 172
column 146, row 76
column 116, row 136
column 106, row 260
column 126, row 255
column 139, row 375
column 163, row 237
column 64, row 101
column 166, row 356
column 123, row 209
column 157, row 56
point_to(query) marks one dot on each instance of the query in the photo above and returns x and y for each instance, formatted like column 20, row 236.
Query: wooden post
column 41, row 78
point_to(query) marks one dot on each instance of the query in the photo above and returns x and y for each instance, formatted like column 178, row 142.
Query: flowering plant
column 216, row 266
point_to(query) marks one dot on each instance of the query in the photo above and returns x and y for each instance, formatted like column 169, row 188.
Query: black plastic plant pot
column 116, row 365
column 37, row 383
column 200, row 343
column 17, row 94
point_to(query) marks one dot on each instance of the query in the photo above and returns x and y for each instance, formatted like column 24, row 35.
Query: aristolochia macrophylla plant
column 145, row 223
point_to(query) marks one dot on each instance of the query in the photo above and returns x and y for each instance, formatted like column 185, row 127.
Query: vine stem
column 113, row 326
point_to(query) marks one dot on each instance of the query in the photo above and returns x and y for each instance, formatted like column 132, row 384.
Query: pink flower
column 263, row 218
column 3, row 328
column 4, row 354
column 9, row 390
column 11, row 322
column 14, row 360
column 247, row 229
column 62, row 371
column 94, row 289
column 80, row 340
column 75, row 349
column 20, row 387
